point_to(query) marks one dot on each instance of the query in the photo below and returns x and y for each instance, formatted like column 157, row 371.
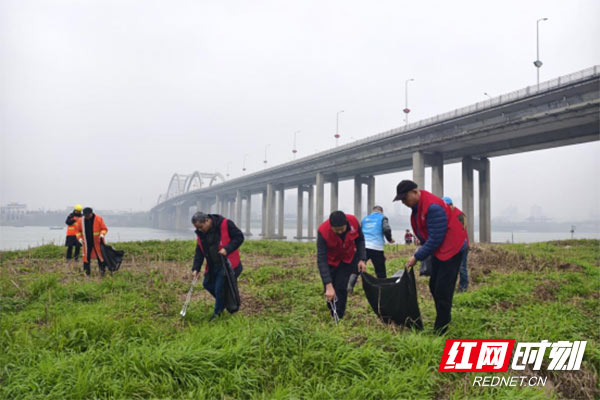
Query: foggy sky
column 102, row 101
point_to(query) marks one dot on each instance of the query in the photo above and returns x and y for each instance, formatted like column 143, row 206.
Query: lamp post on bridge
column 228, row 165
column 294, row 151
column 486, row 94
column 337, row 126
column 265, row 161
column 244, row 163
column 538, row 64
column 406, row 109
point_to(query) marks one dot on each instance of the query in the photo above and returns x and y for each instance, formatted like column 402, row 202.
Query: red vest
column 338, row 251
column 456, row 212
column 455, row 234
column 234, row 256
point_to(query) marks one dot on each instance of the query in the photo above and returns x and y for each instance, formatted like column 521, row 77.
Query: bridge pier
column 270, row 212
column 238, row 208
column 334, row 193
column 248, row 214
column 436, row 162
column 320, row 186
column 358, row 182
column 483, row 167
column 263, row 228
column 311, row 212
column 280, row 212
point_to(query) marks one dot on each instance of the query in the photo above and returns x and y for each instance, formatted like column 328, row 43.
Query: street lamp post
column 265, row 161
column 294, row 151
column 244, row 163
column 538, row 64
column 406, row 109
column 337, row 126
column 486, row 94
column 228, row 165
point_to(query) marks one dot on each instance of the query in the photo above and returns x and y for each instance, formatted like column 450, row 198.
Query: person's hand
column 411, row 262
column 392, row 241
column 329, row 292
column 362, row 267
column 80, row 241
column 223, row 252
column 196, row 273
column 103, row 238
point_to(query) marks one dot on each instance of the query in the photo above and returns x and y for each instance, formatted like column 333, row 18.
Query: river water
column 14, row 238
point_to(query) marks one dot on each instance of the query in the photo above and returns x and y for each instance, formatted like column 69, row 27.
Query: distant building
column 13, row 212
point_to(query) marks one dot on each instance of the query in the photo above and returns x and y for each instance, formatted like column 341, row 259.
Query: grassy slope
column 63, row 336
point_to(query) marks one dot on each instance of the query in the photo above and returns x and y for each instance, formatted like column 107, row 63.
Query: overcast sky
column 102, row 101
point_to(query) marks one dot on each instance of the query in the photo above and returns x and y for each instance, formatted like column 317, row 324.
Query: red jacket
column 234, row 256
column 99, row 228
column 338, row 251
column 455, row 234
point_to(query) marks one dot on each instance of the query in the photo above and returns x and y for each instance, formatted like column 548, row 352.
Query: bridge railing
column 459, row 112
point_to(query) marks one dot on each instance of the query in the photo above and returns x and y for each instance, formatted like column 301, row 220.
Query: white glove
column 103, row 238
column 81, row 241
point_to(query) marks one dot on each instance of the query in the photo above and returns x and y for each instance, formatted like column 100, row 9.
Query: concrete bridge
column 558, row 112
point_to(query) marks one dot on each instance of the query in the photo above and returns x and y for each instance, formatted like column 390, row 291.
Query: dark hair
column 378, row 208
column 199, row 217
column 87, row 211
column 338, row 218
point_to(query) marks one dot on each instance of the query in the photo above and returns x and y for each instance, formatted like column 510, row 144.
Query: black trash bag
column 113, row 258
column 232, row 294
column 425, row 269
column 394, row 299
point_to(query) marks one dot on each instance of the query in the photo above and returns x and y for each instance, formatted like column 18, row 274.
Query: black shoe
column 214, row 316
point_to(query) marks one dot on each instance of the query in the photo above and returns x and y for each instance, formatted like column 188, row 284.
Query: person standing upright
column 71, row 241
column 91, row 230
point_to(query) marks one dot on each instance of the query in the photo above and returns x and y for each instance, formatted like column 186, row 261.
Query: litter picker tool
column 334, row 310
column 189, row 297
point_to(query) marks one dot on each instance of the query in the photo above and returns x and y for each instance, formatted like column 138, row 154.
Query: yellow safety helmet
column 78, row 207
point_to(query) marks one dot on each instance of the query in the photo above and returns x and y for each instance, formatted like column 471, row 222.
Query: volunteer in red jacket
column 217, row 237
column 340, row 252
column 443, row 237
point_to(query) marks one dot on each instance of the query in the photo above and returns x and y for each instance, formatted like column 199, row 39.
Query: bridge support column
column 217, row 204
column 320, row 187
column 280, row 212
column 358, row 196
column 485, row 220
column 418, row 161
column 370, row 193
column 238, row 208
column 437, row 174
column 248, row 214
column 263, row 227
column 299, row 212
column 270, row 212
column 311, row 212
column 335, row 190
column 467, row 194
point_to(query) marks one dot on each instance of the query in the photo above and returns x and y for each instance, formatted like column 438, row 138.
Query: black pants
column 86, row 265
column 339, row 279
column 70, row 251
column 214, row 283
column 441, row 284
column 71, row 242
column 378, row 259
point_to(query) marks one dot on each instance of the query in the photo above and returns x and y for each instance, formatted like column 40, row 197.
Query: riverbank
column 66, row 336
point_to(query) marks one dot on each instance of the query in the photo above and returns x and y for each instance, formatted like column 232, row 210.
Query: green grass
column 66, row 337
